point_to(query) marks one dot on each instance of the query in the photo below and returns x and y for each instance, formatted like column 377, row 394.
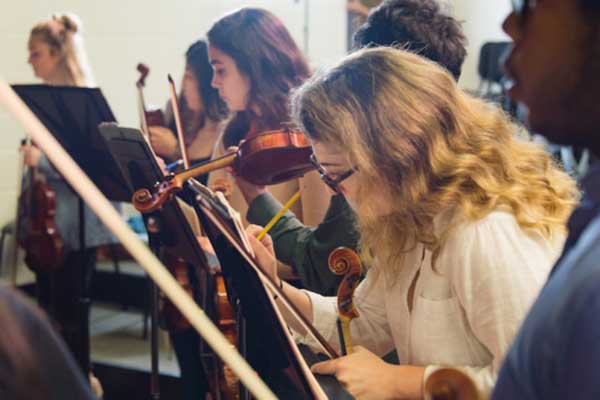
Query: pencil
column 274, row 220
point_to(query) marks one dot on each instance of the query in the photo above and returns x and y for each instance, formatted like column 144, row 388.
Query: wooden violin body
column 226, row 321
column 264, row 159
column 169, row 316
column 43, row 245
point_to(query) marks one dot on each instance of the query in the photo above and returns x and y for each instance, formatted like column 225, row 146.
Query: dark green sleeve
column 307, row 249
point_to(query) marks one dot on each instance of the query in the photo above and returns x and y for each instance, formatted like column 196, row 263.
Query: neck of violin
column 204, row 168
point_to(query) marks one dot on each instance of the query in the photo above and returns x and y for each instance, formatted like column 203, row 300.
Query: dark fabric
column 588, row 208
column 65, row 296
column 557, row 350
column 307, row 249
column 60, row 378
column 187, row 349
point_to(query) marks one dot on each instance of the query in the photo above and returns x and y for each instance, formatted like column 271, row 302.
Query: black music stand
column 265, row 345
column 168, row 229
column 72, row 115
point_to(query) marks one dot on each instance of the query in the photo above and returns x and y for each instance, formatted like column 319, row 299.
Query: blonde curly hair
column 406, row 126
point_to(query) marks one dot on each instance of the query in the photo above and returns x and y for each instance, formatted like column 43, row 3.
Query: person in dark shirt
column 555, row 67
column 418, row 26
column 34, row 362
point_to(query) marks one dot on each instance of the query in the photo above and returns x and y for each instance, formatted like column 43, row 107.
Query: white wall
column 482, row 20
column 121, row 33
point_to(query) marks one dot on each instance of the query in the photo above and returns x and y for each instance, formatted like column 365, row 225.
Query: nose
column 214, row 82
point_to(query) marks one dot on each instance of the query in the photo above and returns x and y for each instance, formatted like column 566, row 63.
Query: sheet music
column 237, row 221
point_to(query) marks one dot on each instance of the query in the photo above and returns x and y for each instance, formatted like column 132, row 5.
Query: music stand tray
column 72, row 115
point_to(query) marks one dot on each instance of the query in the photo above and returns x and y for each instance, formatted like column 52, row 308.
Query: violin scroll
column 344, row 261
column 146, row 201
column 144, row 71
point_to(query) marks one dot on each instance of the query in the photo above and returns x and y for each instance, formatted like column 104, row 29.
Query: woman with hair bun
column 57, row 56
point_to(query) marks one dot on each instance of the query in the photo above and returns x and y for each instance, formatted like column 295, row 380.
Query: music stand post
column 153, row 229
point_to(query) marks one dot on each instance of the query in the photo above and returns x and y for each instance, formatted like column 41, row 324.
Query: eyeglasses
column 522, row 7
column 329, row 181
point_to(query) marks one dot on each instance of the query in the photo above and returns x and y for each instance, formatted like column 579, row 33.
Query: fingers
column 325, row 368
column 205, row 244
column 255, row 230
column 264, row 257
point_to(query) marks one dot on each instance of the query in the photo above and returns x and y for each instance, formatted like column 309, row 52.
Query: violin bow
column 109, row 216
column 143, row 70
column 177, row 116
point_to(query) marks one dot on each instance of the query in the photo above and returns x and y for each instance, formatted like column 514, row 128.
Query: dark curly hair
column 418, row 26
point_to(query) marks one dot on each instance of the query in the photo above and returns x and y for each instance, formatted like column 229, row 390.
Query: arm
column 164, row 142
column 578, row 359
column 370, row 329
column 307, row 249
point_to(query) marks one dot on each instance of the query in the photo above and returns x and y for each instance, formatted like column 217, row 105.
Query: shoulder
column 497, row 243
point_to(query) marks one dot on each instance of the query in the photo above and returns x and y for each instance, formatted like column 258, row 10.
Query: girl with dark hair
column 202, row 115
column 256, row 64
column 202, row 111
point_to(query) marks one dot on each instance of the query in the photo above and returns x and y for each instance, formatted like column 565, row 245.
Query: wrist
column 280, row 285
column 407, row 381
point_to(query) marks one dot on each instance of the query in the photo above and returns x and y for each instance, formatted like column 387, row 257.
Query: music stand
column 268, row 347
column 168, row 229
column 72, row 115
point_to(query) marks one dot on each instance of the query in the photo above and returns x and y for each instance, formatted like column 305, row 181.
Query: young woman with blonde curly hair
column 462, row 221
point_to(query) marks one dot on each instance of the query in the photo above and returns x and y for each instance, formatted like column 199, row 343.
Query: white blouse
column 465, row 313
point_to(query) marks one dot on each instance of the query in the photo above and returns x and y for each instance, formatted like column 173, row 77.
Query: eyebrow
column 214, row 62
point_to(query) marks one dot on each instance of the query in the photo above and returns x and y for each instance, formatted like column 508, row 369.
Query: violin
column 450, row 384
column 43, row 245
column 264, row 159
column 226, row 322
column 169, row 316
column 344, row 261
column 148, row 117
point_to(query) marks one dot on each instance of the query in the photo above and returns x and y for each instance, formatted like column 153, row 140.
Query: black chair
column 493, row 83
